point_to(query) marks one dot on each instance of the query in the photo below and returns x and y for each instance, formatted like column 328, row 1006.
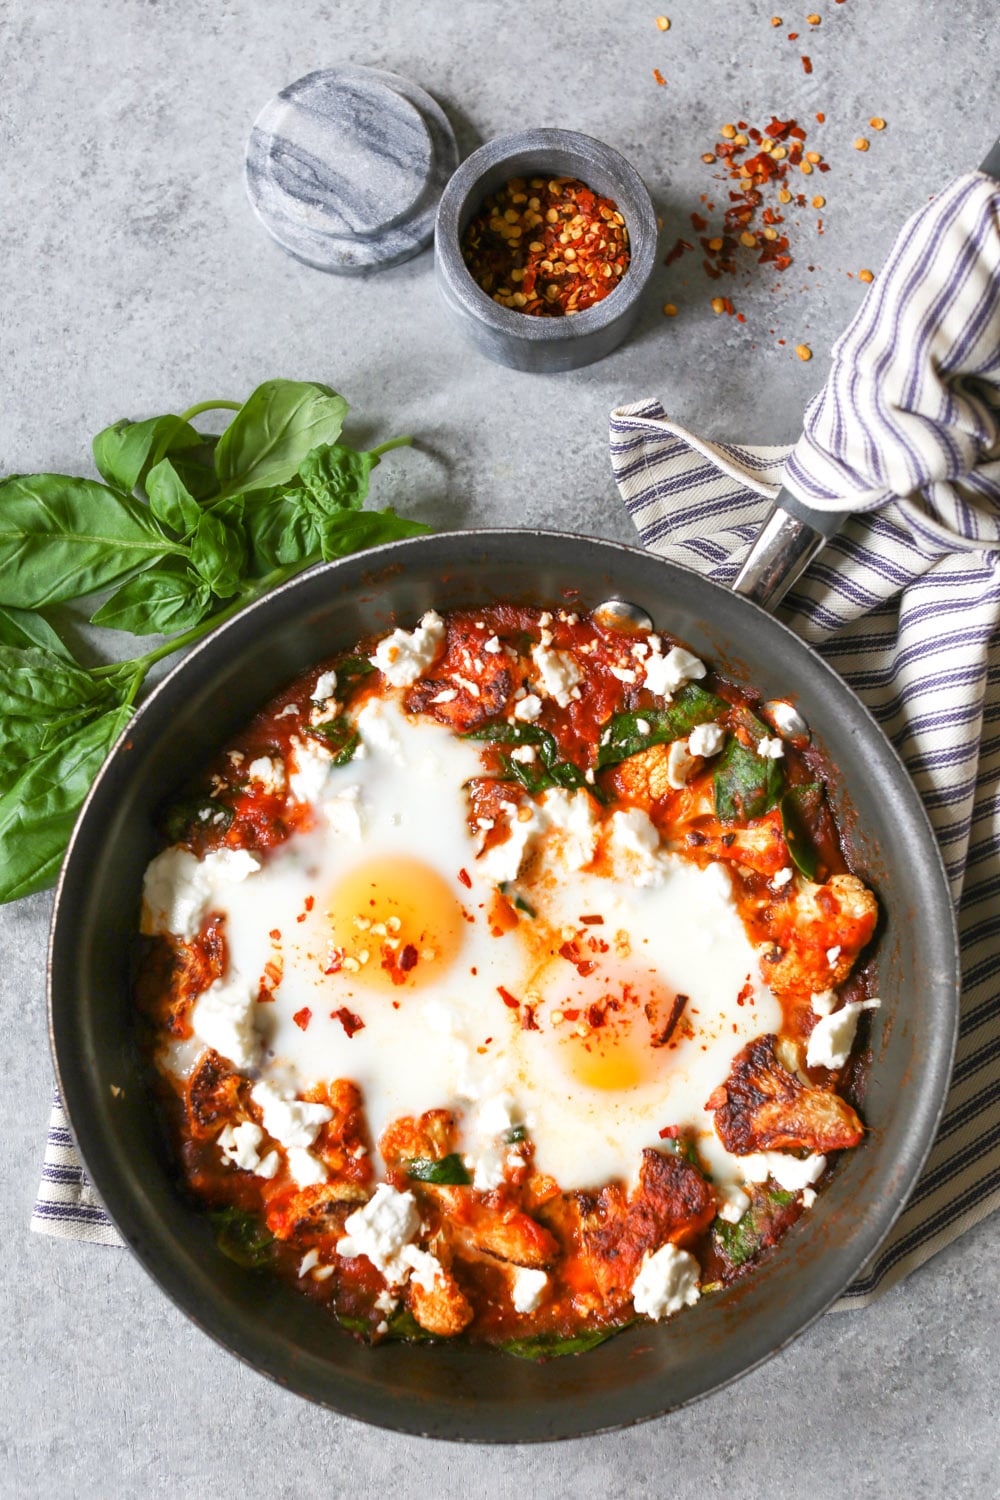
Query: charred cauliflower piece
column 643, row 778
column 431, row 1136
column 817, row 937
column 764, row 1107
column 443, row 1309
column 212, row 1095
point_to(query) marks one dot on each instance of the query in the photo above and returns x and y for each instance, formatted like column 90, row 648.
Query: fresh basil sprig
column 623, row 736
column 186, row 530
column 450, row 1171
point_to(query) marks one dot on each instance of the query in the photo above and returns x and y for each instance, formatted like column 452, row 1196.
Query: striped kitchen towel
column 904, row 603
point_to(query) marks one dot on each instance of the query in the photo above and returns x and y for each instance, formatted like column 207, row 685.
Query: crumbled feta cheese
column 528, row 1288
column 292, row 1122
column 310, row 1259
column 343, row 813
column 380, row 1229
column 574, row 826
column 405, row 655
column 665, row 674
column 789, row 1172
column 223, row 1018
column 268, row 1165
column 680, row 764
column 644, row 726
column 808, row 1197
column 523, row 754
column 785, row 719
column 635, row 842
column 495, row 1115
column 446, row 695
column 488, row 1167
column 529, row 708
column 386, row 1301
column 783, row 877
column 559, row 672
column 425, row 1268
column 624, row 674
column 306, row 1169
column 269, row 772
column 493, row 645
column 326, row 686
column 178, row 889
column 288, row 711
column 832, row 954
column 770, row 749
column 503, row 861
column 239, row 1145
column 733, row 1203
column 833, row 1035
column 667, row 1281
column 823, row 1003
column 313, row 764
column 706, row 739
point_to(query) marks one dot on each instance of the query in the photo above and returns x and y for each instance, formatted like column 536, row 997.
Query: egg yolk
column 613, row 1030
column 392, row 921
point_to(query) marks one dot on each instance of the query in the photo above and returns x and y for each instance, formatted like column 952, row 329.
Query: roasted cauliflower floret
column 817, row 936
column 430, row 1136
column 760, row 845
column 764, row 1107
column 213, row 1094
column 643, row 778
column 443, row 1309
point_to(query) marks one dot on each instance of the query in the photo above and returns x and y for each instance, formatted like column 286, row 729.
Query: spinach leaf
column 35, row 684
column 448, row 1172
column 533, row 777
column 275, row 429
column 62, row 537
column 24, row 627
column 742, row 1241
column 125, row 451
column 403, row 1325
column 350, row 670
column 336, row 478
column 341, row 737
column 164, row 599
column 38, row 809
column 798, row 805
column 747, row 785
column 242, row 1237
column 183, row 815
column 552, row 1346
column 515, row 1134
column 170, row 500
column 623, row 737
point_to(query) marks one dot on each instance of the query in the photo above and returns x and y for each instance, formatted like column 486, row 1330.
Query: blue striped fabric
column 904, row 602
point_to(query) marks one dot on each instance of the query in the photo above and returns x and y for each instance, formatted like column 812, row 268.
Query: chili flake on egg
column 547, row 246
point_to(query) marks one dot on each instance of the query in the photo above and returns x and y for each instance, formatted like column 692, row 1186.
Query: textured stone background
column 135, row 279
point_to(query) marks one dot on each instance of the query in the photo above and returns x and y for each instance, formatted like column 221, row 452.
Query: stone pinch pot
column 543, row 345
column 455, row 1390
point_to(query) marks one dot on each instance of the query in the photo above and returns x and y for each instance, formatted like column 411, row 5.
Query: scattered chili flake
column 820, row 118
column 709, row 156
column 670, row 1132
column 803, row 351
column 669, row 310
column 718, row 305
column 547, row 247
column 865, row 276
column 309, row 903
column 861, row 144
column 807, row 64
column 528, row 1022
column 302, row 1017
column 275, row 934
column 814, row 19
column 877, row 123
column 776, row 21
column 793, row 36
column 728, row 131
column 347, row 1018
column 508, row 998
column 593, row 921
column 408, row 958
column 335, row 961
column 819, row 201
column 465, row 878
column 663, row 23
column 677, row 251
column 658, row 76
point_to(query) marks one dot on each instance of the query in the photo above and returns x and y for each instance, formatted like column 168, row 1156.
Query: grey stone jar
column 501, row 333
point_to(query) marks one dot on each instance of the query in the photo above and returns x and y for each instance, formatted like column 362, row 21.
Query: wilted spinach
column 624, row 735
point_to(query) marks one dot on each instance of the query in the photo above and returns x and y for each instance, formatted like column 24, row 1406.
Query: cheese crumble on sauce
column 502, row 979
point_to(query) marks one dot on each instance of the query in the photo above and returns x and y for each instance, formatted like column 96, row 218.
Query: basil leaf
column 24, row 627
column 353, row 531
column 797, row 805
column 275, row 429
column 20, row 741
column 279, row 530
column 35, row 683
column 448, row 1172
column 336, row 478
column 622, row 736
column 38, row 810
column 181, row 816
column 218, row 554
column 350, row 670
column 242, row 1237
column 162, row 600
column 341, row 737
column 170, row 500
column 552, row 1346
column 62, row 537
column 125, row 451
column 747, row 785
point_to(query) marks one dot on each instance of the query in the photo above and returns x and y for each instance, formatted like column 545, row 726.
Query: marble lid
column 344, row 168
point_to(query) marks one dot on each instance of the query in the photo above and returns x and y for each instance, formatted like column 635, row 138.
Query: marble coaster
column 344, row 168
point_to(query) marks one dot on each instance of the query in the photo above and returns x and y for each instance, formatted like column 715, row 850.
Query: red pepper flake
column 746, row 993
column 670, row 1132
column 528, row 1022
column 335, row 961
column 571, row 1015
column 275, row 935
column 347, row 1018
column 677, row 251
column 408, row 958
column 508, row 998
column 807, row 64
column 593, row 921
column 658, row 76
column 302, row 1017
column 466, row 879
column 821, row 118
column 793, row 36
column 309, row 903
column 301, row 917
column 699, row 224
column 596, row 1015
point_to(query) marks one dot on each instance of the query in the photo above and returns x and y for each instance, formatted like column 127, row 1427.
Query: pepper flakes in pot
column 547, row 247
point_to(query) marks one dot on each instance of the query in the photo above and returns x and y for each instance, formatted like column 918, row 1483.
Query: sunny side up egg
column 379, row 924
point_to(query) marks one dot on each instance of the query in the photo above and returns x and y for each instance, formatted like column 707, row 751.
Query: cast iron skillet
column 455, row 1391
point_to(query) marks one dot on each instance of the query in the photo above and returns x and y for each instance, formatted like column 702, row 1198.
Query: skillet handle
column 794, row 533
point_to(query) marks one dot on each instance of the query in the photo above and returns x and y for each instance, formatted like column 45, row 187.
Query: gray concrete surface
column 135, row 279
